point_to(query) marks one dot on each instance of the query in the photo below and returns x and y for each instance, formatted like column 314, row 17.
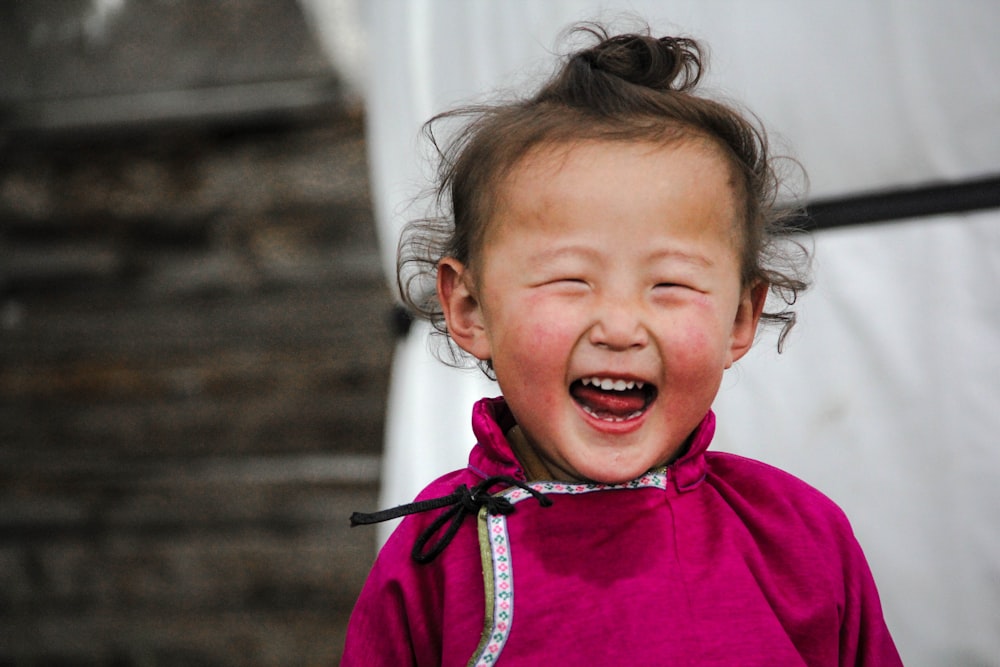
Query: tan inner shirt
column 534, row 466
column 537, row 469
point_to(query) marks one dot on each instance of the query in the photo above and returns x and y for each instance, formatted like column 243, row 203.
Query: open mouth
column 610, row 399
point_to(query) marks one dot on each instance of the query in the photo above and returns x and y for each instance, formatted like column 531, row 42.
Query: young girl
column 610, row 248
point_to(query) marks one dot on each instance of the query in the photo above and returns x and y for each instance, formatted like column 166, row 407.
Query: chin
column 614, row 474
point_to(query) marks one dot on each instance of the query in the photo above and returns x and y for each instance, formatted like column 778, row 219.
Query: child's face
column 613, row 264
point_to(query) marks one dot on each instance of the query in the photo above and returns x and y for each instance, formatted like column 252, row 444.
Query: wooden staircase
column 195, row 337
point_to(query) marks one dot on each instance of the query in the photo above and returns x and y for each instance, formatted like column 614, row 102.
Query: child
column 609, row 253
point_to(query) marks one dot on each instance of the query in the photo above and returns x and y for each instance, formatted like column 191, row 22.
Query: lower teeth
column 611, row 419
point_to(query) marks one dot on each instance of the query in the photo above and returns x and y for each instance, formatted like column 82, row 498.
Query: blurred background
column 195, row 335
column 201, row 372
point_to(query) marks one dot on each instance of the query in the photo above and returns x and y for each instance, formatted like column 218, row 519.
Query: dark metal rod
column 903, row 203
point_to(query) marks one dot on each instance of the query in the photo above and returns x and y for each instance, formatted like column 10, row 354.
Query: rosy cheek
column 688, row 345
column 700, row 328
column 546, row 323
column 693, row 341
column 528, row 342
column 542, row 343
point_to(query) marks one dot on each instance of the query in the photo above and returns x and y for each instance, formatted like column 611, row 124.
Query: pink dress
column 714, row 560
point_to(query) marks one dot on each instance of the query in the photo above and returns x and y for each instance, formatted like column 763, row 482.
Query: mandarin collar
column 492, row 418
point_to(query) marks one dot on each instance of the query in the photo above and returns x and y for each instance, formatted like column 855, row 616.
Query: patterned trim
column 498, row 569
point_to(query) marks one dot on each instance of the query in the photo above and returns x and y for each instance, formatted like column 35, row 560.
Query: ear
column 747, row 317
column 462, row 311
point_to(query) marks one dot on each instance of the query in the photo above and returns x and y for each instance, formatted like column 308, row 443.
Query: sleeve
column 864, row 637
column 397, row 620
column 379, row 632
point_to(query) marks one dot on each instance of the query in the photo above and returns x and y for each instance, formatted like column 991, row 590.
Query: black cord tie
column 460, row 503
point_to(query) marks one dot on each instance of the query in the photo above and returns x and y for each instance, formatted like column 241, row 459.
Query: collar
column 491, row 419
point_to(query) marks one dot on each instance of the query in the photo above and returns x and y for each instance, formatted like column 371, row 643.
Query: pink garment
column 716, row 560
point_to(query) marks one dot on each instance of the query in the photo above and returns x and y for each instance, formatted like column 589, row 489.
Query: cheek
column 532, row 342
column 690, row 349
column 695, row 364
column 699, row 339
column 539, row 324
column 536, row 344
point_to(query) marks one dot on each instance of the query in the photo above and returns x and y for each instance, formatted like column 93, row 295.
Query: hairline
column 673, row 134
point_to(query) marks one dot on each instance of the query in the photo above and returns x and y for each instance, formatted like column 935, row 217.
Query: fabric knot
column 473, row 500
column 462, row 502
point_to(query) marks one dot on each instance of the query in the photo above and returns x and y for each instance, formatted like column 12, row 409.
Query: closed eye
column 567, row 284
column 673, row 290
column 566, row 279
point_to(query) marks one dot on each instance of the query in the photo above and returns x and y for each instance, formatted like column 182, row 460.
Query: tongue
column 609, row 403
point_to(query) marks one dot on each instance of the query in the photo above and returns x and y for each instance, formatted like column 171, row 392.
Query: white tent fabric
column 886, row 399
column 887, row 396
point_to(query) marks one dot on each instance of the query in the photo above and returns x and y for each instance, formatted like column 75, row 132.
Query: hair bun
column 665, row 63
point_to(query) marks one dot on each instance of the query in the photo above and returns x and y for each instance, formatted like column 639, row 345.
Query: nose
column 619, row 326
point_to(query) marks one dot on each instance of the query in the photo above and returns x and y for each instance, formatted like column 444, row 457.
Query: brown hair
column 629, row 87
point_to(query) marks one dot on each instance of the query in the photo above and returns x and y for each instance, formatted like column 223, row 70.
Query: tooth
column 609, row 384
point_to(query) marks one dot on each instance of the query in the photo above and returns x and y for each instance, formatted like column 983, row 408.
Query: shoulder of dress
column 769, row 488
column 447, row 483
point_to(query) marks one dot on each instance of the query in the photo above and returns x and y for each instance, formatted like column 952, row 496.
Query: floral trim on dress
column 498, row 571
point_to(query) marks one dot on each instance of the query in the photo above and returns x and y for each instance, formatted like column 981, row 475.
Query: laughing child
column 609, row 246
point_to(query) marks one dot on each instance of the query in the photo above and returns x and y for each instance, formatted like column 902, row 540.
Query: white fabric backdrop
column 888, row 396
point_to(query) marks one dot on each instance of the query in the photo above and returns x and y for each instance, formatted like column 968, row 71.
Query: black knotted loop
column 462, row 502
column 493, row 504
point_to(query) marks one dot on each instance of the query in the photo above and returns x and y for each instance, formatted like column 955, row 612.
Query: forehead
column 616, row 180
column 695, row 150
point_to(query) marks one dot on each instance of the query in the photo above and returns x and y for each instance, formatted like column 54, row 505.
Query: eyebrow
column 573, row 251
column 677, row 253
column 588, row 253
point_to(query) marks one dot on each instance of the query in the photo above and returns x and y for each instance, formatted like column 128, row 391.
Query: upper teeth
column 607, row 384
